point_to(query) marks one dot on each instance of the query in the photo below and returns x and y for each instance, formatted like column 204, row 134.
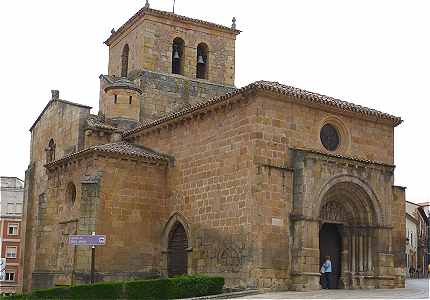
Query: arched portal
column 177, row 259
column 347, row 219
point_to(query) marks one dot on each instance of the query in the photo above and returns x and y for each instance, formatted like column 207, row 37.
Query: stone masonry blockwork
column 198, row 176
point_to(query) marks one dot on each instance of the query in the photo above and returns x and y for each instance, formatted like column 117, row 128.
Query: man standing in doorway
column 327, row 273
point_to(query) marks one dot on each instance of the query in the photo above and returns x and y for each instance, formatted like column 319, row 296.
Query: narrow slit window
column 124, row 61
column 130, row 99
column 115, row 99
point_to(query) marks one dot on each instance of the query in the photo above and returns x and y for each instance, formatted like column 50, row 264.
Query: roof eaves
column 279, row 89
column 181, row 113
column 96, row 149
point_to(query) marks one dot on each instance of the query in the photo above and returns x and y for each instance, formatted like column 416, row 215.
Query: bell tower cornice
column 146, row 10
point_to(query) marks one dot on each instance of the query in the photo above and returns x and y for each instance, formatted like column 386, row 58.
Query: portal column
column 305, row 249
column 353, row 252
column 369, row 251
column 360, row 249
column 345, row 272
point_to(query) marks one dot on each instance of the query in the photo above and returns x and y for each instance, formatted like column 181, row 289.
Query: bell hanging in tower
column 176, row 54
column 200, row 59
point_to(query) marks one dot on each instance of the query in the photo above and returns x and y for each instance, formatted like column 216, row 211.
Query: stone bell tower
column 168, row 62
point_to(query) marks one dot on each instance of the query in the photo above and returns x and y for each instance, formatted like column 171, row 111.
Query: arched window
column 202, row 61
column 71, row 194
column 178, row 56
column 124, row 61
column 50, row 151
column 177, row 259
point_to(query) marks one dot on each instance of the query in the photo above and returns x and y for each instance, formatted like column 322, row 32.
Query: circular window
column 71, row 193
column 329, row 137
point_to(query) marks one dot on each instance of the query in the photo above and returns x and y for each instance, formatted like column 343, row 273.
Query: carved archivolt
column 333, row 211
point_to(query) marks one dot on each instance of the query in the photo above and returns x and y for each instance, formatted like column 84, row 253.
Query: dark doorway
column 177, row 262
column 330, row 244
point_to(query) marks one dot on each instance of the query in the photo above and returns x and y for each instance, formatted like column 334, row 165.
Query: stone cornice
column 344, row 157
column 164, row 14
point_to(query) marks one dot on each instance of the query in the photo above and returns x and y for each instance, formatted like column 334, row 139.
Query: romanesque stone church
column 185, row 173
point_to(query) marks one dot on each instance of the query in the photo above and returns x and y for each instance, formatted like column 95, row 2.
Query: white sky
column 374, row 53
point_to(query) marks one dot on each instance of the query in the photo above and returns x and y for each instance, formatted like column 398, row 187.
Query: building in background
column 411, row 238
column 11, row 203
column 424, row 244
column 416, row 239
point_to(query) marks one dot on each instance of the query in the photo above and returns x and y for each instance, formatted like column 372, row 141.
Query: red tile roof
column 302, row 96
column 122, row 148
column 97, row 122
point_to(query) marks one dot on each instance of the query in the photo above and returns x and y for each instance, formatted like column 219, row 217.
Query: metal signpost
column 89, row 240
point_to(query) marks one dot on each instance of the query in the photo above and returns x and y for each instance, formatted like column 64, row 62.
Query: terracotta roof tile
column 122, row 148
column 131, row 150
column 303, row 96
column 97, row 122
column 121, row 82
column 150, row 11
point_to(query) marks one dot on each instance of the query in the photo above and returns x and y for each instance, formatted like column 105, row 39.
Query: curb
column 227, row 295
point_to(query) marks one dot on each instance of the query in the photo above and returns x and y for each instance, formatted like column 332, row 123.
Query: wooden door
column 330, row 244
column 177, row 260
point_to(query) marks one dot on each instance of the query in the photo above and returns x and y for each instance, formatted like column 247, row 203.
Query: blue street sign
column 87, row 240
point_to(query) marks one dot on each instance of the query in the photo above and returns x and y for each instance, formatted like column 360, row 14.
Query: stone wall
column 164, row 93
column 131, row 214
column 150, row 41
column 284, row 123
column 250, row 144
column 121, row 103
column 63, row 122
column 122, row 199
column 210, row 185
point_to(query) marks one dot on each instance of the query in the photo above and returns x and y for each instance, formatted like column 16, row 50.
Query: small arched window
column 50, row 151
column 178, row 56
column 202, row 61
column 124, row 61
column 71, row 194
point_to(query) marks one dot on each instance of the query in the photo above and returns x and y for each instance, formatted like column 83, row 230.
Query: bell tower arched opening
column 178, row 55
column 202, row 61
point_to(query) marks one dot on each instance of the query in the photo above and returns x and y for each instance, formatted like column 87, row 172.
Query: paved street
column 415, row 289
